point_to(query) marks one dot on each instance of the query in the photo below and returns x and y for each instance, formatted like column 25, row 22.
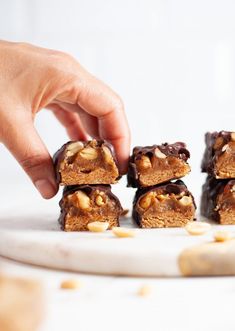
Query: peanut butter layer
column 81, row 205
column 219, row 155
column 91, row 162
column 218, row 200
column 152, row 165
column 168, row 205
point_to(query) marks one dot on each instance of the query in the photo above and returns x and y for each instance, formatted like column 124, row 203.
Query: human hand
column 32, row 78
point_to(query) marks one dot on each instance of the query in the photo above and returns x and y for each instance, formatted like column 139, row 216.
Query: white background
column 172, row 62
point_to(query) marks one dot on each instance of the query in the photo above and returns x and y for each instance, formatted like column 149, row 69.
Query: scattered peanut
column 98, row 226
column 186, row 200
column 159, row 154
column 71, row 284
column 89, row 153
column 123, row 232
column 144, row 291
column 221, row 236
column 197, row 228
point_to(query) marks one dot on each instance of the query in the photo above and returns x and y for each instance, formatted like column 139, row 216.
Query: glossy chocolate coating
column 177, row 150
column 87, row 189
column 211, row 190
column 214, row 150
column 60, row 155
column 176, row 188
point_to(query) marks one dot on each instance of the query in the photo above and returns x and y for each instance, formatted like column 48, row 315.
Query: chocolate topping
column 215, row 142
column 211, row 190
column 65, row 205
column 60, row 156
column 177, row 150
column 178, row 187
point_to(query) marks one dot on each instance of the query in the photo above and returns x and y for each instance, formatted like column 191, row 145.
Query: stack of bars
column 159, row 202
column 218, row 192
column 87, row 169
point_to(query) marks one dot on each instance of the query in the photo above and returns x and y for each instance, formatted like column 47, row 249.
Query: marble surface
column 111, row 302
column 33, row 236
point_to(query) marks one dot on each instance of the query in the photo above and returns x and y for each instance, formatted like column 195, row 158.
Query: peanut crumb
column 197, row 228
column 221, row 236
column 123, row 232
column 98, row 226
column 71, row 284
column 144, row 290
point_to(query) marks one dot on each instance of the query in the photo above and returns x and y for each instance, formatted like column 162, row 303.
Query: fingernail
column 46, row 188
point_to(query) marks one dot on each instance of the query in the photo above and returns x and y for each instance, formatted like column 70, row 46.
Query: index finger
column 98, row 100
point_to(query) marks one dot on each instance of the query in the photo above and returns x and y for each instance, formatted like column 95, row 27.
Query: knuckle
column 33, row 162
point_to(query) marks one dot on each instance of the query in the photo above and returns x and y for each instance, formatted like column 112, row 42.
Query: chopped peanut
column 98, row 226
column 197, row 228
column 123, row 232
column 221, row 236
column 71, row 284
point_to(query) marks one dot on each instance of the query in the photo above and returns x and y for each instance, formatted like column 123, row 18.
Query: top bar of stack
column 86, row 162
column 219, row 156
column 152, row 165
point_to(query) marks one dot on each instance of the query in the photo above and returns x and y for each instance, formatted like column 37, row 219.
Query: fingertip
column 46, row 188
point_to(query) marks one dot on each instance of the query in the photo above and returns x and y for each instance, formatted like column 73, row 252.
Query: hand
column 32, row 78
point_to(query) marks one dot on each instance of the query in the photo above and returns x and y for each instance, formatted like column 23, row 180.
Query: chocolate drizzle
column 177, row 149
column 176, row 187
column 88, row 189
column 59, row 156
column 212, row 152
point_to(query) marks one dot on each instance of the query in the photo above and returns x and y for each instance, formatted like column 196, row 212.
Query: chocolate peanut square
column 152, row 165
column 86, row 162
column 165, row 205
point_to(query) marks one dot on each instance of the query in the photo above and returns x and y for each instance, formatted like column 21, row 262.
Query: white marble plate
column 35, row 237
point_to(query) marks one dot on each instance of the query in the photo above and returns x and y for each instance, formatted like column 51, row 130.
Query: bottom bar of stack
column 83, row 204
column 218, row 200
column 165, row 205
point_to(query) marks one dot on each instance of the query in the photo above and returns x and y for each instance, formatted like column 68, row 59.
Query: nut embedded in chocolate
column 218, row 200
column 83, row 204
column 80, row 162
column 165, row 205
column 152, row 165
column 219, row 155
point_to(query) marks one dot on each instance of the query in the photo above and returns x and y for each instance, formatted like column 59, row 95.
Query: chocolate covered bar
column 218, row 200
column 83, row 204
column 165, row 205
column 90, row 162
column 219, row 155
column 157, row 164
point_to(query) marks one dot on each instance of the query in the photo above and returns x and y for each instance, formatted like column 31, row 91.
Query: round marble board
column 35, row 237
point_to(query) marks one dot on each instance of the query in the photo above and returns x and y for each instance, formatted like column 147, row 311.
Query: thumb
column 23, row 141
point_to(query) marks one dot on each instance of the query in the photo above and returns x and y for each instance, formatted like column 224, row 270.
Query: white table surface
column 111, row 303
